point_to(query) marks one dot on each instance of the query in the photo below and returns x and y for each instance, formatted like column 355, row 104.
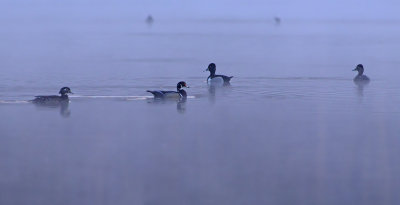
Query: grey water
column 293, row 127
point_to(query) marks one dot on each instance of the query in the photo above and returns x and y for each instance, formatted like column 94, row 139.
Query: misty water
column 293, row 127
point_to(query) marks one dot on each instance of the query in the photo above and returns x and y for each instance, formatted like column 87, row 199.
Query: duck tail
column 156, row 93
column 230, row 77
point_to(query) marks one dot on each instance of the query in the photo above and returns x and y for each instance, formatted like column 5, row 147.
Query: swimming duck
column 54, row 99
column 360, row 76
column 216, row 79
column 277, row 20
column 180, row 93
column 149, row 19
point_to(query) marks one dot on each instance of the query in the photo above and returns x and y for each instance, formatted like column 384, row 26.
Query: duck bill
column 354, row 69
column 206, row 70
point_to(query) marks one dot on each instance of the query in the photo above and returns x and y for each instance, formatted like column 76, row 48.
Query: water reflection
column 360, row 86
column 211, row 93
column 62, row 106
column 180, row 103
column 214, row 89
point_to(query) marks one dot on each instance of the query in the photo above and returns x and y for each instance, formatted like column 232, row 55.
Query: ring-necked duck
column 360, row 76
column 217, row 79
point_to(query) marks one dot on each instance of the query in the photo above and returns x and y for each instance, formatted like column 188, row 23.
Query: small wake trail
column 122, row 97
column 108, row 96
column 14, row 101
column 127, row 97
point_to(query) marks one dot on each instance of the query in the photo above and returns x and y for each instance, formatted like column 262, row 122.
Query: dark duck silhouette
column 179, row 94
column 149, row 19
column 54, row 99
column 277, row 20
column 360, row 76
column 217, row 79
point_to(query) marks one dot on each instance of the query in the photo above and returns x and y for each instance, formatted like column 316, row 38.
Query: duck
column 216, row 79
column 360, row 76
column 54, row 99
column 277, row 20
column 149, row 19
column 180, row 93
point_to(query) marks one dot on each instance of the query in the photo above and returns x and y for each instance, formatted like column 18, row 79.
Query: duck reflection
column 180, row 103
column 360, row 87
column 211, row 93
column 62, row 106
column 214, row 90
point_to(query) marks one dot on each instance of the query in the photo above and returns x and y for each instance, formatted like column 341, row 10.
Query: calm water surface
column 292, row 128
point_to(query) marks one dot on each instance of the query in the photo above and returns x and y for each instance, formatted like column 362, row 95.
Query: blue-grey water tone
column 293, row 127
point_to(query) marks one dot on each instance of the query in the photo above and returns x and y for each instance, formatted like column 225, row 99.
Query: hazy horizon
column 292, row 128
column 308, row 9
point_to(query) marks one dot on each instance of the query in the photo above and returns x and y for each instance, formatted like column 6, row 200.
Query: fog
column 292, row 128
column 310, row 9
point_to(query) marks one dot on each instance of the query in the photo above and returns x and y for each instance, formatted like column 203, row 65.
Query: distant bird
column 277, row 20
column 149, row 19
column 360, row 76
column 217, row 79
column 179, row 94
column 54, row 99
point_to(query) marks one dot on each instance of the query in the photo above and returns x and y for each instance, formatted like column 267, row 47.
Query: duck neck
column 212, row 73
column 182, row 92
column 64, row 96
column 360, row 72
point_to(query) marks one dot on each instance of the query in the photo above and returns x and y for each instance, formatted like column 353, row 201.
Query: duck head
column 360, row 69
column 212, row 68
column 180, row 89
column 181, row 85
column 65, row 91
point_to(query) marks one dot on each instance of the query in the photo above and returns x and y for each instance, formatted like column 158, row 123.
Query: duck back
column 219, row 80
column 52, row 100
column 361, row 78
